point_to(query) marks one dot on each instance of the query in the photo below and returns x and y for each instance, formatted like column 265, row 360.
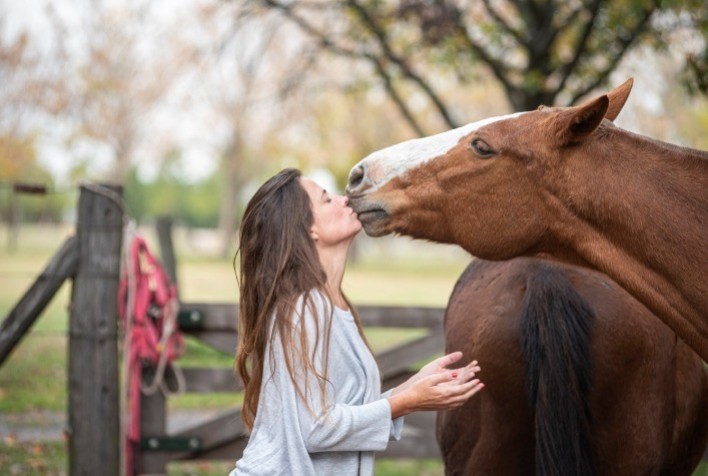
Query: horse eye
column 482, row 148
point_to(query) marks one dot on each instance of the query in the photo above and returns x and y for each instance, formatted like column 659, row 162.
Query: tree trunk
column 232, row 163
column 523, row 100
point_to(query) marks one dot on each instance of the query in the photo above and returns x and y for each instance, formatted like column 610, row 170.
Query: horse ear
column 618, row 97
column 576, row 123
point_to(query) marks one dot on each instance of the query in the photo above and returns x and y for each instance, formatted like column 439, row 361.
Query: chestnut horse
column 563, row 183
column 580, row 378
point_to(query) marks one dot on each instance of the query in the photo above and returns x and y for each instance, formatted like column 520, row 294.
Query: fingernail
column 454, row 374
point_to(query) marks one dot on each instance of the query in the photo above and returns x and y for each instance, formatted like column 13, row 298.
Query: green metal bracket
column 190, row 319
column 166, row 443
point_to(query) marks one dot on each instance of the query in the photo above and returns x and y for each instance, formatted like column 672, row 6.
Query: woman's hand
column 438, row 366
column 436, row 388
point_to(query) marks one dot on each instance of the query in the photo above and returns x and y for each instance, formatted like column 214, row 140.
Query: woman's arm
column 348, row 428
column 336, row 426
column 367, row 427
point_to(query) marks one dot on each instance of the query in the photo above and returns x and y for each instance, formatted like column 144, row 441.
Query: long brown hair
column 279, row 264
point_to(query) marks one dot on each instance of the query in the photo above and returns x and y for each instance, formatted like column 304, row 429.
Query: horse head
column 489, row 186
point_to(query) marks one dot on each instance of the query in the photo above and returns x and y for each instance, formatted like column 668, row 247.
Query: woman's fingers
column 463, row 374
column 470, row 370
column 435, row 392
column 473, row 367
column 454, row 396
column 441, row 378
column 477, row 387
column 466, row 387
column 464, row 392
column 454, row 357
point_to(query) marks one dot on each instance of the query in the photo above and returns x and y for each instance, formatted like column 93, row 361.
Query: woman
column 311, row 385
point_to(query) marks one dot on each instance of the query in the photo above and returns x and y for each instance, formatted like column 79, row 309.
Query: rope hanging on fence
column 148, row 307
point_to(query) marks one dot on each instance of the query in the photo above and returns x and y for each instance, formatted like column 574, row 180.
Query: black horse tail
column 555, row 338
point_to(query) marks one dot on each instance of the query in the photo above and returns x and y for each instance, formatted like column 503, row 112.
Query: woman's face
column 334, row 221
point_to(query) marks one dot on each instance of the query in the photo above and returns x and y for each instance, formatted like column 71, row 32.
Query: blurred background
column 192, row 104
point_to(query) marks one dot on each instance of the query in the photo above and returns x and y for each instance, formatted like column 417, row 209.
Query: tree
column 27, row 95
column 540, row 51
column 117, row 81
column 246, row 73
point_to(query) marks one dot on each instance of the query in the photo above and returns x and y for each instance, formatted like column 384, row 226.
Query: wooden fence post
column 167, row 252
column 153, row 426
column 94, row 428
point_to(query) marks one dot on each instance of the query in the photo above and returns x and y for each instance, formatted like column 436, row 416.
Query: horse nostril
column 356, row 176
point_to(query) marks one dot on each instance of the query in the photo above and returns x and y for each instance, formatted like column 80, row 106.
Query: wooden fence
column 92, row 259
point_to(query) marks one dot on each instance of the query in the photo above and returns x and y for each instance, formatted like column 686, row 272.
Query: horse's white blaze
column 394, row 161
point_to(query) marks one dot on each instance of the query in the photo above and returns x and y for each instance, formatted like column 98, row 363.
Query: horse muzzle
column 373, row 217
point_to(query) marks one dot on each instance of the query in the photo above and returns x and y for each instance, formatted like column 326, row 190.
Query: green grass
column 34, row 377
column 49, row 459
column 403, row 467
column 32, row 459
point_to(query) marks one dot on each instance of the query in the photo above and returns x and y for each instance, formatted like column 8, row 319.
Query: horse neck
column 638, row 190
column 637, row 210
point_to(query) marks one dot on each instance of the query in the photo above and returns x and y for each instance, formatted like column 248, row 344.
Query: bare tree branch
column 324, row 40
column 524, row 8
column 624, row 45
column 380, row 69
column 500, row 70
column 541, row 34
column 388, row 84
column 505, row 26
column 401, row 62
column 581, row 47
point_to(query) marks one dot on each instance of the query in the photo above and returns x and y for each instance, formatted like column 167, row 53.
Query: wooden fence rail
column 38, row 296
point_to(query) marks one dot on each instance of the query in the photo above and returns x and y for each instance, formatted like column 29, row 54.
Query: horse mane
column 555, row 337
column 679, row 155
column 634, row 165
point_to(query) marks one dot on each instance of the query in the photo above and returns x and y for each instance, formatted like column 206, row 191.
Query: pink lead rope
column 147, row 305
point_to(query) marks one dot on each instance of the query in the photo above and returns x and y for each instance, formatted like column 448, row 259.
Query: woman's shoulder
column 315, row 306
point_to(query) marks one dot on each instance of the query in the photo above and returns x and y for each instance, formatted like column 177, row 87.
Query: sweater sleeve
column 348, row 427
column 330, row 424
column 397, row 424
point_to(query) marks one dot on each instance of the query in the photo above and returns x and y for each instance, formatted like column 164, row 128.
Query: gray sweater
column 340, row 439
